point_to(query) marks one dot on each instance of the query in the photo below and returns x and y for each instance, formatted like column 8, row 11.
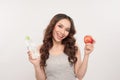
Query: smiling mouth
column 59, row 36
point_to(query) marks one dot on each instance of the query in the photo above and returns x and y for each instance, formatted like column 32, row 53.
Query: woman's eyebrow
column 64, row 26
column 61, row 24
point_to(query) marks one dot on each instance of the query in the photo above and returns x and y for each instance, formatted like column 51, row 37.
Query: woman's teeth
column 59, row 36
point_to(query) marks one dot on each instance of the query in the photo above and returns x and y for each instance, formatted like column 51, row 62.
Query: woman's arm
column 81, row 67
column 39, row 71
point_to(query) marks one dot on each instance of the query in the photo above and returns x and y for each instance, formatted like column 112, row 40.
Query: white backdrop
column 99, row 18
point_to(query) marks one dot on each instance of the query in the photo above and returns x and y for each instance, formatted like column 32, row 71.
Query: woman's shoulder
column 76, row 44
column 38, row 46
column 78, row 47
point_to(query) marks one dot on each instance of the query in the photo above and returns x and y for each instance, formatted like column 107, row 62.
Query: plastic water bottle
column 31, row 46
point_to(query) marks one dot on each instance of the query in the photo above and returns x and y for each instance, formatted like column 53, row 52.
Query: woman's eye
column 60, row 26
column 68, row 30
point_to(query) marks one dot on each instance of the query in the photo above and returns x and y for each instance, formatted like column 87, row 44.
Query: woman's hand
column 36, row 61
column 89, row 47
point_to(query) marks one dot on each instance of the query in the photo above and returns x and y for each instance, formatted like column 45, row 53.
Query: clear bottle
column 31, row 46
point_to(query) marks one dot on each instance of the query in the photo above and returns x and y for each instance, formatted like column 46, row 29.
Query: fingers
column 89, row 46
column 29, row 55
column 32, row 56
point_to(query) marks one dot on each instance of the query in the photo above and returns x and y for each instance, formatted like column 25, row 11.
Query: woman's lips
column 60, row 37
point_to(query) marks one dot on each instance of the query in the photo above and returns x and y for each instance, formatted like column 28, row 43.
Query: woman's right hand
column 36, row 61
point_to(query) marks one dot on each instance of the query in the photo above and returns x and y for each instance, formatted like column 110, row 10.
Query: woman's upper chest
column 56, row 50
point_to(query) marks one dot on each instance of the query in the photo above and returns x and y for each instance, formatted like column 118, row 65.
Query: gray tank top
column 59, row 68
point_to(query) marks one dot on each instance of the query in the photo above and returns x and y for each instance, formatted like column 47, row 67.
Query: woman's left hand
column 89, row 47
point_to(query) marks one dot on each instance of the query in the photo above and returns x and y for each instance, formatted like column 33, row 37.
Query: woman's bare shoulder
column 39, row 46
column 76, row 44
column 78, row 51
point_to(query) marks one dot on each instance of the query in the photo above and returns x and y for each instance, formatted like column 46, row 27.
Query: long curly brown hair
column 69, row 42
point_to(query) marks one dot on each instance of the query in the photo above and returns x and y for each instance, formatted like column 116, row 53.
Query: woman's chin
column 58, row 40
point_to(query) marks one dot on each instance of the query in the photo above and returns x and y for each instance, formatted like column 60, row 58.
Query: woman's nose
column 63, row 31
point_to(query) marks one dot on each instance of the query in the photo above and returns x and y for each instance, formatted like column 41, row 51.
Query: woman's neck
column 57, row 46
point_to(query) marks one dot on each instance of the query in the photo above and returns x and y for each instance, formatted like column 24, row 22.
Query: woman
column 60, row 57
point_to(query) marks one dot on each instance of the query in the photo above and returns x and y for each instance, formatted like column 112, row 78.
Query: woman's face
column 61, row 30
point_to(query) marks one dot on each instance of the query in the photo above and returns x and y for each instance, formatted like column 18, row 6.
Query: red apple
column 88, row 39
